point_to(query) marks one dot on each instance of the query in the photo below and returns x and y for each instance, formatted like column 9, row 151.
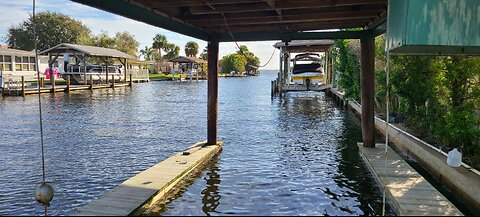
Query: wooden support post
column 113, row 81
column 196, row 71
column 131, row 80
column 212, row 116
column 84, row 69
column 284, row 74
column 367, row 80
column 272, row 87
column 23, row 86
column 68, row 84
column 106, row 69
column 125, row 69
column 91, row 82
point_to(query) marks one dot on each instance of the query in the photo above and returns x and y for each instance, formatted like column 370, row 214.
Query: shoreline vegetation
column 435, row 98
column 168, row 77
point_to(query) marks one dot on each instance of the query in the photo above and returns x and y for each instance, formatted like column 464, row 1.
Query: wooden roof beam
column 271, row 3
column 189, row 3
column 301, row 26
column 284, row 5
column 272, row 13
column 289, row 36
column 338, row 16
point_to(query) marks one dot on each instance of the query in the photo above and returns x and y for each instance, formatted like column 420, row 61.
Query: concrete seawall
column 463, row 182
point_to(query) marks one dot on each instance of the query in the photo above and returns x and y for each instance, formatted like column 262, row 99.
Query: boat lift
column 282, row 83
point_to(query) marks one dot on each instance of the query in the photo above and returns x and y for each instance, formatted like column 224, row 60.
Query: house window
column 5, row 63
column 24, row 63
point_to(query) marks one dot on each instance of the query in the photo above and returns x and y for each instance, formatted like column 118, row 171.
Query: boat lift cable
column 44, row 192
column 235, row 41
column 387, row 123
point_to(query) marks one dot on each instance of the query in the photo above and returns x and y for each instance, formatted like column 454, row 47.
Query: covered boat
column 307, row 69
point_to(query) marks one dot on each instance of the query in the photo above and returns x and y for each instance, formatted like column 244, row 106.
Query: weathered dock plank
column 143, row 190
column 407, row 191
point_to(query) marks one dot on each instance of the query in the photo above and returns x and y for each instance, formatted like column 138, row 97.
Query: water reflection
column 211, row 196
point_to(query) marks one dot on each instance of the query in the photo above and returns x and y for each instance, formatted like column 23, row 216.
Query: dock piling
column 68, row 84
column 113, row 81
column 91, row 82
column 131, row 80
column 23, row 86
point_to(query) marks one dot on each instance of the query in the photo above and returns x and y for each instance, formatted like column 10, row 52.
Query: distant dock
column 21, row 89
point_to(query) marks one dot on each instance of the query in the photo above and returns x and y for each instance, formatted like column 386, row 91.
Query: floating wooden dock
column 140, row 192
column 23, row 90
column 407, row 191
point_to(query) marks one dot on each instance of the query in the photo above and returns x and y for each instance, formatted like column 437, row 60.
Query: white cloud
column 98, row 20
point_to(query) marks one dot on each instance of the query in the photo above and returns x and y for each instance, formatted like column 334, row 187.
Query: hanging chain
column 39, row 98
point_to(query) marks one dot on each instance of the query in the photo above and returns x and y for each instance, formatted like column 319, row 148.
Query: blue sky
column 14, row 12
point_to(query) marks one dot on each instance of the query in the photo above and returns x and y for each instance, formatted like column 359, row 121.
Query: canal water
column 290, row 156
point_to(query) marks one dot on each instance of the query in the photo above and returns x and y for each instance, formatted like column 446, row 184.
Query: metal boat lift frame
column 281, row 85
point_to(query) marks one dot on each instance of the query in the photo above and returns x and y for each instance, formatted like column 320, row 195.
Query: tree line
column 437, row 96
column 55, row 28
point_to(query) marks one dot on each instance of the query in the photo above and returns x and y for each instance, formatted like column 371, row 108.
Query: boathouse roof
column 184, row 59
column 255, row 20
column 300, row 46
column 87, row 50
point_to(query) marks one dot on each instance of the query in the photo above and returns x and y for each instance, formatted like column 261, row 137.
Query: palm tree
column 204, row 54
column 147, row 53
column 159, row 42
column 191, row 49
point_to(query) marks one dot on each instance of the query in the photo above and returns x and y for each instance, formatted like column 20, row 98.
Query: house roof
column 253, row 19
column 87, row 50
column 183, row 59
column 10, row 51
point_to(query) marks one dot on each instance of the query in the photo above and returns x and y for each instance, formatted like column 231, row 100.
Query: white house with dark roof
column 16, row 63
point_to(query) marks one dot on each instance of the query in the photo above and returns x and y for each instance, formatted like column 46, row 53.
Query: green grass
column 163, row 77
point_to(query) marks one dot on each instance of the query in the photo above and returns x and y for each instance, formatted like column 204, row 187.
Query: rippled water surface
column 290, row 156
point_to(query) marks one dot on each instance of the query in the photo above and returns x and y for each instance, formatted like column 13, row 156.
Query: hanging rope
column 268, row 59
column 387, row 123
column 44, row 192
column 235, row 41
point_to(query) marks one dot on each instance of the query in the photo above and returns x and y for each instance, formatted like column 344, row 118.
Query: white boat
column 307, row 70
column 98, row 73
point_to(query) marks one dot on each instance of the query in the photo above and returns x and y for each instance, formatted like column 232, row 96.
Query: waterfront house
column 16, row 63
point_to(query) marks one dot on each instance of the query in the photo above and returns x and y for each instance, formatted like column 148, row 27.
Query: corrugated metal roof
column 87, row 50
column 9, row 51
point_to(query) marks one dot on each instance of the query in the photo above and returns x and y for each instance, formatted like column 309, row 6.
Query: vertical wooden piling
column 131, row 80
column 106, row 69
column 367, row 80
column 271, row 88
column 284, row 74
column 23, row 86
column 113, row 81
column 212, row 116
column 68, row 84
column 91, row 82
column 125, row 69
